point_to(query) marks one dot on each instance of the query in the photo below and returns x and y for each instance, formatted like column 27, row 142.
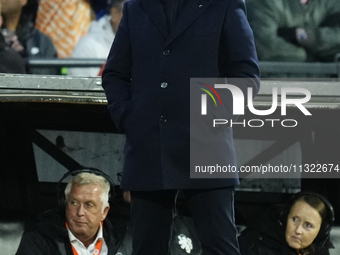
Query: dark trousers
column 212, row 211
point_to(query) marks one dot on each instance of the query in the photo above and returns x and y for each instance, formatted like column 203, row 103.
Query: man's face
column 84, row 211
column 303, row 225
column 12, row 6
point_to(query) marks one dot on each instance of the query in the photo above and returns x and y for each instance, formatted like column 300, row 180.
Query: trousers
column 212, row 211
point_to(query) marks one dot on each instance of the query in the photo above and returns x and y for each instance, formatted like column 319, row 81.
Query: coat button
column 166, row 52
column 163, row 119
column 164, row 85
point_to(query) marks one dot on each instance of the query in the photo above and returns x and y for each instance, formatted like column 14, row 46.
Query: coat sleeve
column 329, row 45
column 264, row 17
column 240, row 63
column 32, row 243
column 116, row 78
column 323, row 40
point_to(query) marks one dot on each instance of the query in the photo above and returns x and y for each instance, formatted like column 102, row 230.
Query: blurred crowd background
column 284, row 30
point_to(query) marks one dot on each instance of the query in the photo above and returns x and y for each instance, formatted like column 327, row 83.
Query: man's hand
column 12, row 40
column 15, row 45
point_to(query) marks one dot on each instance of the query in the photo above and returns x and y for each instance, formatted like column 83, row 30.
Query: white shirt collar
column 74, row 239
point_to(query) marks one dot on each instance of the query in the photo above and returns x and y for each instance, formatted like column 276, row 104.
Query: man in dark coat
column 49, row 236
column 158, row 47
column 79, row 228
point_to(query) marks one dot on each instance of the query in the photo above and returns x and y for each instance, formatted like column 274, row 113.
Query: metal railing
column 65, row 62
column 70, row 89
column 300, row 68
column 317, row 68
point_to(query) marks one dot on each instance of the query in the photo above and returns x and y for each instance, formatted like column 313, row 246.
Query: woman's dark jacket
column 267, row 237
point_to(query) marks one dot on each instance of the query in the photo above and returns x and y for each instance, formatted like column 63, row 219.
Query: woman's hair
column 89, row 178
column 315, row 202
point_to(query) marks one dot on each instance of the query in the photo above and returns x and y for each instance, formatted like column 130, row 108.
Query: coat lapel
column 191, row 11
column 154, row 9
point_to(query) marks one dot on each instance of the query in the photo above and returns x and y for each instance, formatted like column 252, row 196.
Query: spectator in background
column 34, row 43
column 302, row 227
column 11, row 61
column 80, row 225
column 99, row 7
column 295, row 30
column 65, row 22
column 97, row 42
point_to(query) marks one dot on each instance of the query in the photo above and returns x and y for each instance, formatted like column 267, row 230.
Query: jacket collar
column 154, row 9
column 52, row 225
column 190, row 12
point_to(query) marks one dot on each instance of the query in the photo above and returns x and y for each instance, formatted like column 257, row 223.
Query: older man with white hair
column 81, row 227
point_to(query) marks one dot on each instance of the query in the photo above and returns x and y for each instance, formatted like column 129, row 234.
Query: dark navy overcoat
column 146, row 81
